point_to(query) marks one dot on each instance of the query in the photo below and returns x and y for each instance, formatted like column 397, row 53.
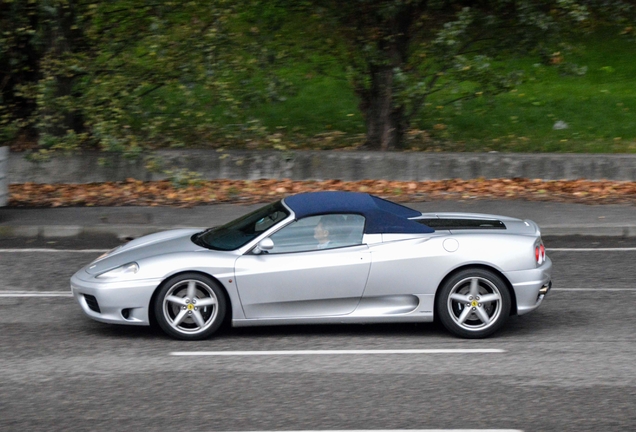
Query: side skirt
column 383, row 309
column 331, row 320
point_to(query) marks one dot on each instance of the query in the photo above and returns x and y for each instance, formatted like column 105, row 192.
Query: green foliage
column 401, row 52
column 105, row 74
column 183, row 177
column 20, row 50
column 598, row 107
column 128, row 76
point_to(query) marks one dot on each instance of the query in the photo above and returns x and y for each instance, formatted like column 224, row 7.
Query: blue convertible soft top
column 381, row 216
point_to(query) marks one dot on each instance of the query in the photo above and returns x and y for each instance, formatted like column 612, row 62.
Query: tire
column 190, row 306
column 473, row 303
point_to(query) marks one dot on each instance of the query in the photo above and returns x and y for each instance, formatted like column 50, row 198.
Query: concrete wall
column 4, row 180
column 319, row 165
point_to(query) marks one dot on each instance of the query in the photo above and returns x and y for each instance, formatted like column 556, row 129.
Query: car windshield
column 239, row 232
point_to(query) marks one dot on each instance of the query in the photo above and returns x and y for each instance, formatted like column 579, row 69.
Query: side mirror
column 264, row 245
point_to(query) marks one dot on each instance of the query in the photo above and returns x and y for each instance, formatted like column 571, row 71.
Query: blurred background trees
column 81, row 74
column 131, row 75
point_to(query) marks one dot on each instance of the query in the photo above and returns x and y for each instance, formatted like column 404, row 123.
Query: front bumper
column 120, row 302
column 531, row 286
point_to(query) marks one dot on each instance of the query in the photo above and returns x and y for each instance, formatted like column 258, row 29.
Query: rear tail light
column 539, row 253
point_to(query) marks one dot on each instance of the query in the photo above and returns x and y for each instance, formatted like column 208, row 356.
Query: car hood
column 161, row 243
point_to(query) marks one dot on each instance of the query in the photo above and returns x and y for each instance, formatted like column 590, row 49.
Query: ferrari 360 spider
column 323, row 257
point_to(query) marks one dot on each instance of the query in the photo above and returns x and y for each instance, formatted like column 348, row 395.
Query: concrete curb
column 622, row 231
column 66, row 231
column 134, row 231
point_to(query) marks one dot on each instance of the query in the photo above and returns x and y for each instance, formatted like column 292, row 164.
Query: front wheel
column 190, row 306
column 474, row 303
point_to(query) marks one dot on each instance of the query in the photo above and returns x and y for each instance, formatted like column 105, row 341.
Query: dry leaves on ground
column 162, row 193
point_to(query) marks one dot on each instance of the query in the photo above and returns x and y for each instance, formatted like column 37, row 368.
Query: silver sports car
column 323, row 257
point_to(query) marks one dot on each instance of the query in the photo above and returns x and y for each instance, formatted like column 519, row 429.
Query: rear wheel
column 474, row 303
column 190, row 306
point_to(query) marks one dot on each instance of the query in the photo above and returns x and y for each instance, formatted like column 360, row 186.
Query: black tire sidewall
column 443, row 313
column 161, row 319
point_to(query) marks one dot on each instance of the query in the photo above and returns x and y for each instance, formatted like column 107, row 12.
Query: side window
column 319, row 232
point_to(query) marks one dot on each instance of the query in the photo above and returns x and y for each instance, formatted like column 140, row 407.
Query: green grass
column 599, row 107
column 321, row 104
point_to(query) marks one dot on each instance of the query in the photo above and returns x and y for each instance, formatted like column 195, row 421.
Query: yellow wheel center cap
column 190, row 307
column 474, row 303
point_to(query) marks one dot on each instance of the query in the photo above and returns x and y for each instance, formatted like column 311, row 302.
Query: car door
column 298, row 278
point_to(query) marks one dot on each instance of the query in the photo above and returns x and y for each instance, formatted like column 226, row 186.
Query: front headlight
column 126, row 269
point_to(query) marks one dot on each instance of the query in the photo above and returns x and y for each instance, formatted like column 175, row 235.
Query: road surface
column 568, row 366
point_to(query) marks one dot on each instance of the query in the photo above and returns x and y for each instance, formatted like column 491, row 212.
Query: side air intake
column 463, row 224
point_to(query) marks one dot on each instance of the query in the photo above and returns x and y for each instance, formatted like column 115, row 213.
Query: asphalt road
column 567, row 366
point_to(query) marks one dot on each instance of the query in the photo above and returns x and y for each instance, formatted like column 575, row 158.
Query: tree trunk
column 383, row 119
column 64, row 39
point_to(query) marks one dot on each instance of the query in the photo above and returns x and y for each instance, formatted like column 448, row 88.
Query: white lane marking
column 338, row 352
column 406, row 430
column 45, row 250
column 51, row 250
column 618, row 249
column 36, row 294
column 593, row 289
